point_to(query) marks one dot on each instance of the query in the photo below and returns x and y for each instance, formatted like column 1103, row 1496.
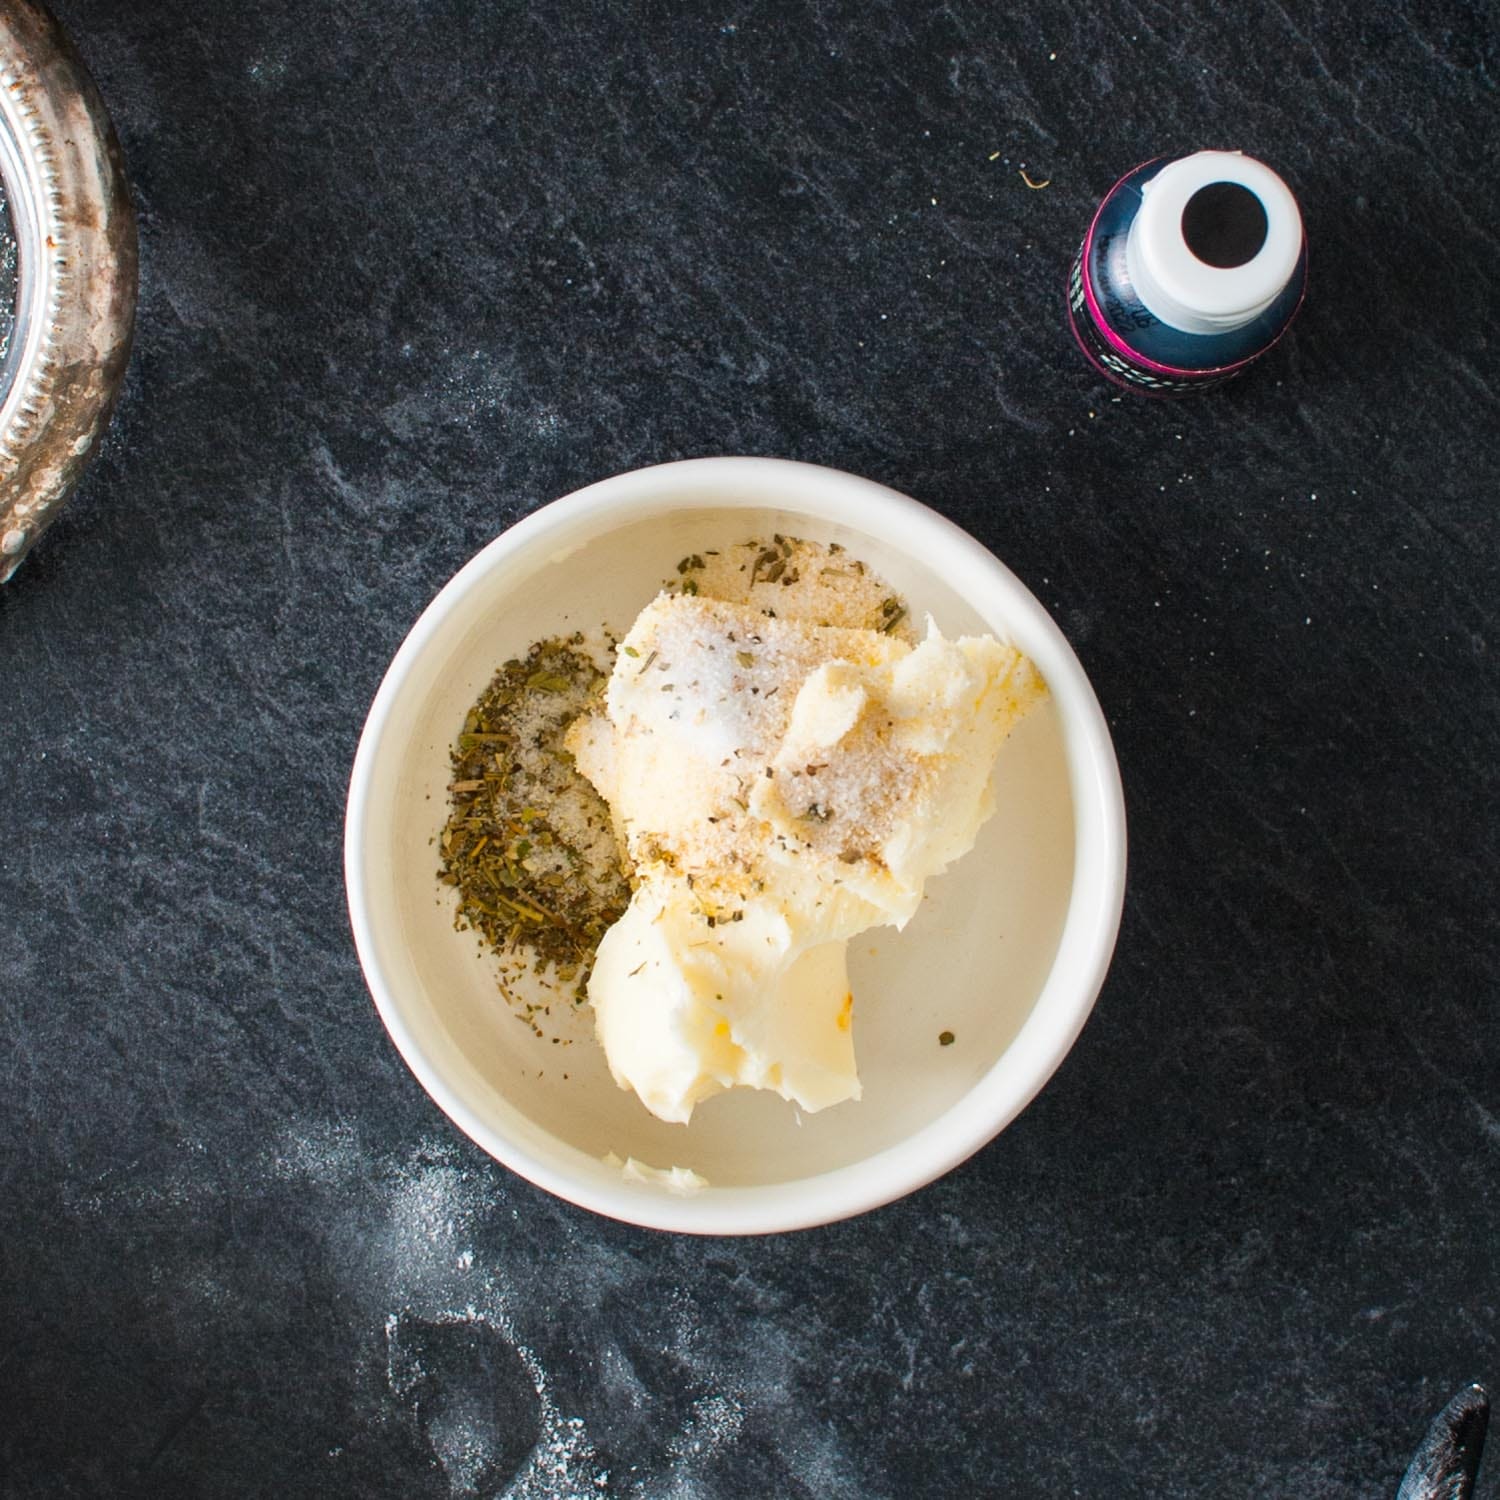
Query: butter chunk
column 777, row 786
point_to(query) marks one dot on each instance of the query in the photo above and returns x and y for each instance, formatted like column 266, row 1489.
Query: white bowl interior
column 974, row 961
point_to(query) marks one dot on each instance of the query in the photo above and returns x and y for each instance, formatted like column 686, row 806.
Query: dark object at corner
column 1447, row 1463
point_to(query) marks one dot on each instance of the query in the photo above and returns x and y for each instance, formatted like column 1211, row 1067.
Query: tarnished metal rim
column 76, row 273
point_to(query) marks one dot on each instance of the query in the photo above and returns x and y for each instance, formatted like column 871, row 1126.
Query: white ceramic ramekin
column 1008, row 952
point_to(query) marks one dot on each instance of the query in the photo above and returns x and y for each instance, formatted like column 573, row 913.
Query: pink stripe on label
column 1088, row 354
column 1110, row 337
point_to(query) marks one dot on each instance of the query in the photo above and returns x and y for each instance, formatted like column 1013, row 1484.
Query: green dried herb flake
column 507, row 847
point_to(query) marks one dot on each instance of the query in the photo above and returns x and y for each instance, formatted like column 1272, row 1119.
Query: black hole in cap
column 1224, row 225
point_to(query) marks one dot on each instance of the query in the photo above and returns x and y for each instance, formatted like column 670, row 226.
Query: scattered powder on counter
column 434, row 1204
column 562, row 1463
column 325, row 1157
column 452, row 1305
column 712, row 1422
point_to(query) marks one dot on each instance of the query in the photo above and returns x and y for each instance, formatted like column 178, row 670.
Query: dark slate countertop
column 411, row 270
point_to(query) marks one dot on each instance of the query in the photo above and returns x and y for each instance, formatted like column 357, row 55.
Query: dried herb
column 769, row 565
column 527, row 844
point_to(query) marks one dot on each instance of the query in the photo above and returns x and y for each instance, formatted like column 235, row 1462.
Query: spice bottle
column 1191, row 269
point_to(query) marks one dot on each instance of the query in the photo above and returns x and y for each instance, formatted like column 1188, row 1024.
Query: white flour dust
column 420, row 1258
column 714, row 1421
column 455, row 1304
column 562, row 1464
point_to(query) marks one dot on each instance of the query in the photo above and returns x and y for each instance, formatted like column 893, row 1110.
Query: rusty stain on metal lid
column 68, row 279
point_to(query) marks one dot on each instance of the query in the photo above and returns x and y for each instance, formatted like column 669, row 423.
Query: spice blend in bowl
column 528, row 844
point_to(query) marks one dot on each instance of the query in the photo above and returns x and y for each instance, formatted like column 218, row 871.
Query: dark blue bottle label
column 1126, row 341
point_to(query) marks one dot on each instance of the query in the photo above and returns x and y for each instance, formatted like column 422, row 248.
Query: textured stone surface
column 410, row 270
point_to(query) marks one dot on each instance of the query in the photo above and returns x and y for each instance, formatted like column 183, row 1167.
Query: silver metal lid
column 69, row 298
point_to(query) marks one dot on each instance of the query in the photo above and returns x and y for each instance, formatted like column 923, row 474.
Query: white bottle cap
column 1215, row 242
